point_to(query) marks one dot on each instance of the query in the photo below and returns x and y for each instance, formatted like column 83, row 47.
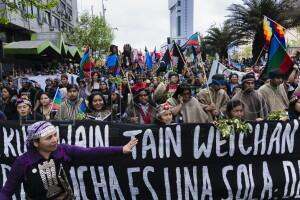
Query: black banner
column 187, row 161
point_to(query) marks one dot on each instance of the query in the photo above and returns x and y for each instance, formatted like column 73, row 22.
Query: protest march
column 183, row 121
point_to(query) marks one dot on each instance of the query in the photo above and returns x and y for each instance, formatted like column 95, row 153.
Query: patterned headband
column 38, row 130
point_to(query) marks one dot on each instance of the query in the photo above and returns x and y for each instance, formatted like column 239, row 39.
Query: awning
column 43, row 48
column 28, row 47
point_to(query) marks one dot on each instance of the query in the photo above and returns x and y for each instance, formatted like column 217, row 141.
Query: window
column 178, row 3
column 47, row 18
column 178, row 25
column 56, row 22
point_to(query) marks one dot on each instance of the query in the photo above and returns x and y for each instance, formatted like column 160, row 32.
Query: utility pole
column 103, row 10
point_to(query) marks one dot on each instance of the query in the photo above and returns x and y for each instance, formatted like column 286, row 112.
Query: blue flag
column 148, row 62
column 82, row 107
column 113, row 64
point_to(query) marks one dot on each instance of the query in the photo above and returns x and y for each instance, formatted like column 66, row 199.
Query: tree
column 246, row 20
column 18, row 6
column 92, row 32
column 219, row 39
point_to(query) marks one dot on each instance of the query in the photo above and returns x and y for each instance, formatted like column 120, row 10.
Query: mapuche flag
column 270, row 28
column 193, row 40
column 277, row 57
column 57, row 100
column 86, row 64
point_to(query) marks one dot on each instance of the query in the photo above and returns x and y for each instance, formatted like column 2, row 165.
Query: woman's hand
column 128, row 147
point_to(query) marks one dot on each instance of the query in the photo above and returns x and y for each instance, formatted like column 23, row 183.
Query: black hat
column 172, row 74
column 276, row 73
column 248, row 77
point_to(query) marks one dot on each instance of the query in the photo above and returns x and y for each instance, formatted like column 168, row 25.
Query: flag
column 164, row 62
column 113, row 64
column 148, row 60
column 271, row 27
column 82, row 107
column 193, row 40
column 57, row 100
column 86, row 65
column 219, row 68
column 277, row 57
column 177, row 52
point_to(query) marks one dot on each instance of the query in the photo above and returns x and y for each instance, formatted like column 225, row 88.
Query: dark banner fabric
column 186, row 161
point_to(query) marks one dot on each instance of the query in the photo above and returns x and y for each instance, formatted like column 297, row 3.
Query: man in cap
column 214, row 99
column 274, row 92
column 255, row 107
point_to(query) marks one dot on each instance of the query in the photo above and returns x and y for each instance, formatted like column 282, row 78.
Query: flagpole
column 185, row 65
column 259, row 55
column 130, row 91
column 205, row 79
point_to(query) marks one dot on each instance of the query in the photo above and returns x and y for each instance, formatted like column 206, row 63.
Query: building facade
column 183, row 19
column 59, row 19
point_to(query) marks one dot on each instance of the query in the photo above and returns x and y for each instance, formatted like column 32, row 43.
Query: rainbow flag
column 277, row 57
column 270, row 27
column 57, row 100
column 82, row 107
column 86, row 63
column 193, row 40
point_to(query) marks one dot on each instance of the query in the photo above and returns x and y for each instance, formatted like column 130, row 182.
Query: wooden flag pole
column 205, row 79
column 259, row 55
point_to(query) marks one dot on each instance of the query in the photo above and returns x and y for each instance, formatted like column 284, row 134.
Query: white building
column 183, row 19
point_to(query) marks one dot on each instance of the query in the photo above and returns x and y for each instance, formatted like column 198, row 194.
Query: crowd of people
column 141, row 96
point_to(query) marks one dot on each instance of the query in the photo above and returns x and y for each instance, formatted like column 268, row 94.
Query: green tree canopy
column 19, row 5
column 92, row 32
column 247, row 18
column 219, row 39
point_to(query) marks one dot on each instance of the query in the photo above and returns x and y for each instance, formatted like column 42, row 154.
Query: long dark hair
column 90, row 99
column 10, row 92
column 181, row 88
column 38, row 104
column 137, row 94
column 231, row 105
column 99, row 76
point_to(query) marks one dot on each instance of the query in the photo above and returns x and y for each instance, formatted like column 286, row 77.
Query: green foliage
column 246, row 19
column 92, row 32
column 219, row 39
column 16, row 6
column 231, row 126
column 80, row 116
column 116, row 80
column 277, row 115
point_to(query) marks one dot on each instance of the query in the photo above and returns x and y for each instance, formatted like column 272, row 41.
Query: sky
column 146, row 22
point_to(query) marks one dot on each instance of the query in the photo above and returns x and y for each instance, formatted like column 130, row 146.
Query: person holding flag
column 69, row 109
column 86, row 65
column 112, row 61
